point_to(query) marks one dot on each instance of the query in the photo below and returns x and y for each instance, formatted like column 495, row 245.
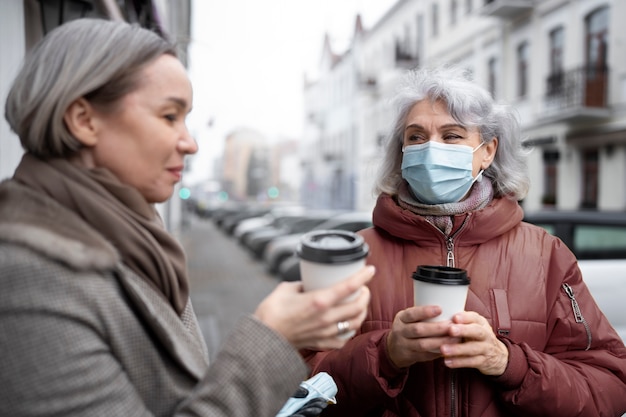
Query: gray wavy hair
column 97, row 59
column 470, row 105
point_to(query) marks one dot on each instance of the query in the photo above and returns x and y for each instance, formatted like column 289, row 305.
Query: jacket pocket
column 502, row 316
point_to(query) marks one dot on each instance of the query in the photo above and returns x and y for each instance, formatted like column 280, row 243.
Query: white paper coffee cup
column 443, row 286
column 328, row 257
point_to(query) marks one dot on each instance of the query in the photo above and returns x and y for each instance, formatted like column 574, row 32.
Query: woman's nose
column 187, row 144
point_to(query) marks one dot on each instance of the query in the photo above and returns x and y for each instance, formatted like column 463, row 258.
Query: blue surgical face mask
column 437, row 172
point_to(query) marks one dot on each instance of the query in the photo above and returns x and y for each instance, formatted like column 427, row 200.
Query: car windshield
column 600, row 241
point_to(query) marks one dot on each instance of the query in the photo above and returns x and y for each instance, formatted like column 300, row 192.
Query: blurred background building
column 560, row 63
column 24, row 22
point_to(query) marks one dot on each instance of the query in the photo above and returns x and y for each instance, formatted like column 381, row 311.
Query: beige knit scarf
column 120, row 214
column 440, row 215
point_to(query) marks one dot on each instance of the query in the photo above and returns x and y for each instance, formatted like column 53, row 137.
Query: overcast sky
column 247, row 61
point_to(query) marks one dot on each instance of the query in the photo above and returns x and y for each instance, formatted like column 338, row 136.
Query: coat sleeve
column 254, row 373
column 68, row 342
column 582, row 369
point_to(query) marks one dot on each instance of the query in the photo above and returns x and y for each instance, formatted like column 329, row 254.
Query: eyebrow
column 178, row 101
column 446, row 126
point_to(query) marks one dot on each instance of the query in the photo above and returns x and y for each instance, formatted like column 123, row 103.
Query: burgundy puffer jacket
column 558, row 366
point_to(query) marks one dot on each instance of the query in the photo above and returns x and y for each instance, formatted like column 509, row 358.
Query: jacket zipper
column 450, row 248
column 450, row 261
column 453, row 394
column 578, row 315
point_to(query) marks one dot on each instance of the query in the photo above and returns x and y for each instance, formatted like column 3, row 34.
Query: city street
column 226, row 282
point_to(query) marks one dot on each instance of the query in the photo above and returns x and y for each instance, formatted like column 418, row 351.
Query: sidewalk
column 225, row 281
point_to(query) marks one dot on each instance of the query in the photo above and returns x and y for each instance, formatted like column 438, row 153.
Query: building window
column 453, row 12
column 556, row 50
column 597, row 30
column 522, row 70
column 420, row 36
column 590, row 179
column 555, row 78
column 435, row 19
column 550, row 161
column 492, row 74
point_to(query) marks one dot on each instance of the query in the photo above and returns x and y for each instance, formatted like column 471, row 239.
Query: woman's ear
column 489, row 153
column 79, row 119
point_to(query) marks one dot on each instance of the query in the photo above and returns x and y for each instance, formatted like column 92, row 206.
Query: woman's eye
column 170, row 117
column 452, row 136
column 415, row 138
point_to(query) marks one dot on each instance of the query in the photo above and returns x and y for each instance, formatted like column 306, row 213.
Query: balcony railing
column 580, row 92
column 506, row 9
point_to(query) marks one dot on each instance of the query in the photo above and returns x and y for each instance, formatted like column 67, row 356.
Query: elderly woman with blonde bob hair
column 95, row 317
column 531, row 341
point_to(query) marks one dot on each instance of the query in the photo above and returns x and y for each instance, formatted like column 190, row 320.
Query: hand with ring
column 343, row 328
column 317, row 319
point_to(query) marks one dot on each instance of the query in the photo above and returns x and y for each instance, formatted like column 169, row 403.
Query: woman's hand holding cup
column 315, row 319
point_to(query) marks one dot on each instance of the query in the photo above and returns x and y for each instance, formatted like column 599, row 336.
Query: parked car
column 280, row 223
column 282, row 250
column 598, row 239
column 229, row 223
column 247, row 225
column 258, row 240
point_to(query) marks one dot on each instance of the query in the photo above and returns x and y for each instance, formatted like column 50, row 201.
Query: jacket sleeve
column 365, row 377
column 582, row 369
column 254, row 373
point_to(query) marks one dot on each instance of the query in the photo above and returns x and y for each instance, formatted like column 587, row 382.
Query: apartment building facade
column 560, row 63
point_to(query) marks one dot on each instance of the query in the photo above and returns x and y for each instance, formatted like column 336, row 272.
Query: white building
column 561, row 63
column 23, row 22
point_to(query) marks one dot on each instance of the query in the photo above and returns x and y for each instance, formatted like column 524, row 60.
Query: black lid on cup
column 441, row 275
column 332, row 247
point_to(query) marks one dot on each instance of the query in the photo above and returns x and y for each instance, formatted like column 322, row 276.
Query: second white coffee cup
column 328, row 257
column 442, row 286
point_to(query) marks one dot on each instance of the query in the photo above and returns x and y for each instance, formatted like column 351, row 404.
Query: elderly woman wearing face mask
column 531, row 341
column 95, row 317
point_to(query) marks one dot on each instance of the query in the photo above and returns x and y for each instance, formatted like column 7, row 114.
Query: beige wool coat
column 82, row 335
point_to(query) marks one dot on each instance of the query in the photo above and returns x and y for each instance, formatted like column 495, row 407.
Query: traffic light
column 273, row 192
column 184, row 193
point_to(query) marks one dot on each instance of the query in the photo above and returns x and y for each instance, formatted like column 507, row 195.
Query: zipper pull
column 570, row 293
column 450, row 247
column 578, row 315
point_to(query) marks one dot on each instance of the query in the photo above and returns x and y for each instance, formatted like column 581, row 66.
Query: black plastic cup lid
column 332, row 247
column 441, row 275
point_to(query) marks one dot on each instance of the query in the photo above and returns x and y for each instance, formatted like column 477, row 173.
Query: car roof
column 577, row 216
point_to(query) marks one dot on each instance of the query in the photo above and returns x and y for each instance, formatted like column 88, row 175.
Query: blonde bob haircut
column 97, row 59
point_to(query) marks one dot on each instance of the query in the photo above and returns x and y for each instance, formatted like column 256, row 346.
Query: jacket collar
column 31, row 219
column 479, row 226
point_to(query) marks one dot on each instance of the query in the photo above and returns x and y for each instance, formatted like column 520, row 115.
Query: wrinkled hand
column 309, row 319
column 413, row 340
column 480, row 349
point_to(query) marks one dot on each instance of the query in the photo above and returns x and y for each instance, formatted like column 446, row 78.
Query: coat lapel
column 182, row 341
